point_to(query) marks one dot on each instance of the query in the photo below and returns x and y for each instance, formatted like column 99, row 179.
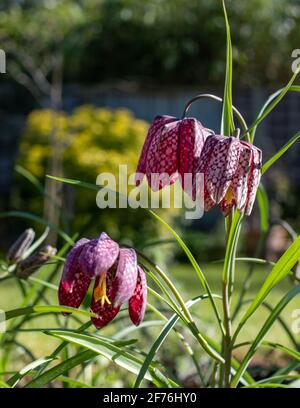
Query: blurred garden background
column 83, row 81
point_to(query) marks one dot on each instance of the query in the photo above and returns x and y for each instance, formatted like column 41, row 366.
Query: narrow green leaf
column 271, row 104
column 45, row 309
column 113, row 353
column 159, row 341
column 264, row 330
column 276, row 379
column 3, row 384
column 267, row 385
column 74, row 182
column 40, row 220
column 278, row 272
column 59, row 369
column 227, row 124
column 62, row 346
column 31, row 178
column 73, row 383
column 13, row 381
column 281, row 152
column 286, row 369
column 292, row 353
column 194, row 263
column 263, row 206
column 231, row 246
column 291, row 88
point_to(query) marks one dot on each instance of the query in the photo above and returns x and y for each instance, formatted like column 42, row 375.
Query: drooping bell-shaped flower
column 118, row 279
column 231, row 169
column 172, row 148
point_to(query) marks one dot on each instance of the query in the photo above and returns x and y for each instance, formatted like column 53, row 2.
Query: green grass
column 189, row 285
column 187, row 282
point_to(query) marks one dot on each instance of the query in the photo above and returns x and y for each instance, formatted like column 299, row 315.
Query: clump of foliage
column 91, row 141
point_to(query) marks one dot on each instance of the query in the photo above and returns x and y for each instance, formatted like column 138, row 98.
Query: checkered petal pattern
column 138, row 301
column 123, row 281
column 253, row 179
column 172, row 148
column 231, row 170
column 74, row 283
column 98, row 255
column 126, row 276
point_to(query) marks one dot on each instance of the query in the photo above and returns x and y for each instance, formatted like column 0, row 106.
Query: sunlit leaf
column 264, row 330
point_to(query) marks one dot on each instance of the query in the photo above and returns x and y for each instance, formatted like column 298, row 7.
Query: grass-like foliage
column 216, row 347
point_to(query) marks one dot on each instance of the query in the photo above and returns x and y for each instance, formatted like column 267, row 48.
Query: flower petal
column 74, row 283
column 254, row 178
column 71, row 264
column 151, row 139
column 98, row 255
column 192, row 136
column 162, row 164
column 222, row 166
column 107, row 312
column 138, row 301
column 75, row 296
column 209, row 203
column 240, row 180
column 204, row 159
column 126, row 276
column 238, row 189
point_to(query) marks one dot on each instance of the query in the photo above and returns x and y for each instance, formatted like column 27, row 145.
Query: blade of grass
column 281, row 152
column 264, row 330
column 40, row 220
column 272, row 98
column 60, row 369
column 194, row 263
column 13, row 381
column 160, row 340
column 278, row 272
column 270, row 105
column 113, row 353
column 227, row 124
column 45, row 309
column 263, row 206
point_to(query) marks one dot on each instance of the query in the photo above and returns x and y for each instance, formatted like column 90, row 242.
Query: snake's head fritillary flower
column 118, row 279
column 20, row 246
column 232, row 170
column 172, row 148
column 28, row 266
column 125, row 282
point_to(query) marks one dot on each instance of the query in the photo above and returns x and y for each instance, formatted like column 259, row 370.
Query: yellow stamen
column 229, row 194
column 100, row 291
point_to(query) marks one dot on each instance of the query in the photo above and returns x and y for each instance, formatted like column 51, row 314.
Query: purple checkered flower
column 118, row 279
column 232, row 170
column 172, row 148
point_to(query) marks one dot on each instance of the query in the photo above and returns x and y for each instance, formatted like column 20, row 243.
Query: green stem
column 233, row 230
column 170, row 285
column 228, row 334
column 235, row 111
column 247, row 282
column 190, row 321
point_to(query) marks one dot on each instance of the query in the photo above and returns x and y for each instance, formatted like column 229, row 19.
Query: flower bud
column 31, row 264
column 20, row 246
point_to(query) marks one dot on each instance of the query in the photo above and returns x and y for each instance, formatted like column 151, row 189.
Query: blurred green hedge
column 91, row 140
